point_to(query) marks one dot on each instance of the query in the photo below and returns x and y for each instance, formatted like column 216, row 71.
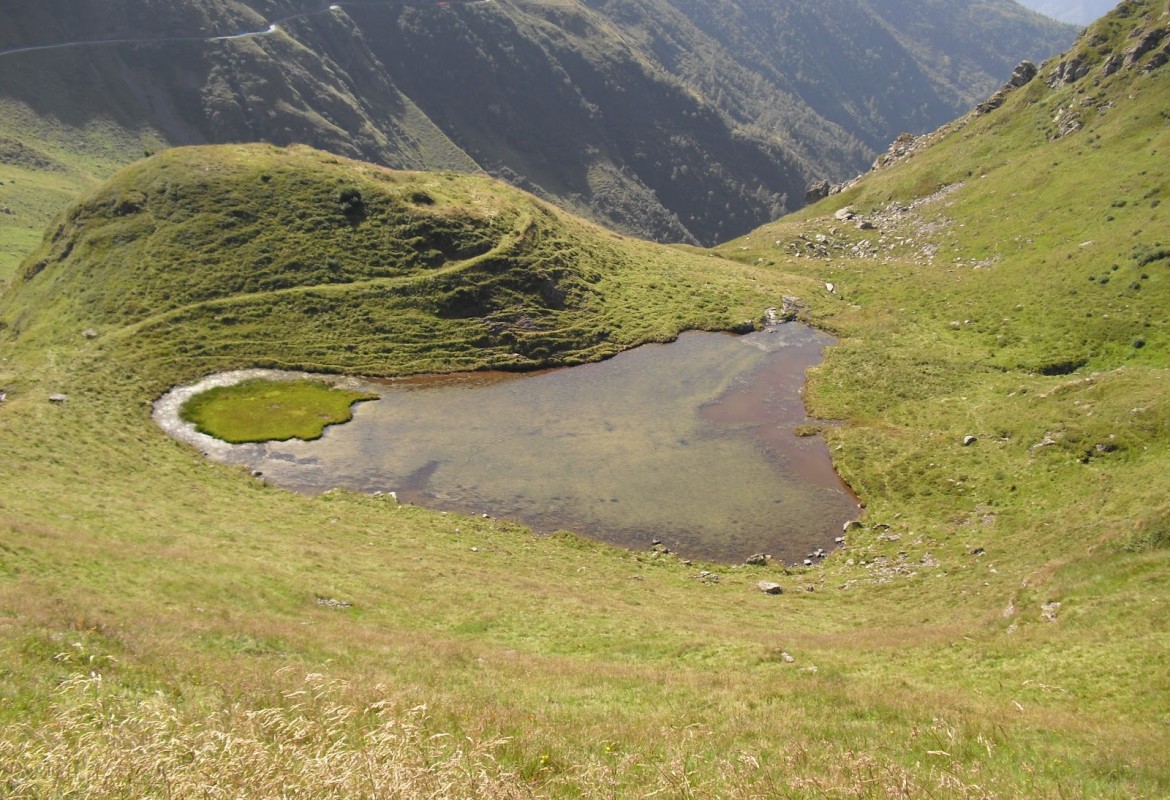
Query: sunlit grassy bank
column 996, row 628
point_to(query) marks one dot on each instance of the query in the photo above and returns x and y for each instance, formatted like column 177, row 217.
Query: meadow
column 995, row 625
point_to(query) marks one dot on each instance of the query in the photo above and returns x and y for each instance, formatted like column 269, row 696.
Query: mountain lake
column 691, row 445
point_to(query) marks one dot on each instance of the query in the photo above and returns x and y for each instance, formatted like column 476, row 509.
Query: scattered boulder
column 844, row 214
column 1147, row 43
column 969, row 440
column 852, row 525
column 791, row 307
column 757, row 560
column 329, row 602
column 1066, row 120
column 58, row 398
column 1022, row 75
column 786, row 657
column 818, row 190
column 89, row 333
column 768, row 587
column 1049, row 610
column 1067, row 72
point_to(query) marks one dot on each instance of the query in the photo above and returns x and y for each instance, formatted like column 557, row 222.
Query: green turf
column 264, row 410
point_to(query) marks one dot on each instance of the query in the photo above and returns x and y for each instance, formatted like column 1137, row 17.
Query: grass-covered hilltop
column 996, row 627
column 202, row 258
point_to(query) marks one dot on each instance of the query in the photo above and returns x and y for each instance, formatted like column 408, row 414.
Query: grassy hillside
column 996, row 628
column 201, row 258
column 47, row 161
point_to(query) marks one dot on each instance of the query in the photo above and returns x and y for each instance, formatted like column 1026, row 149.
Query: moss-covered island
column 261, row 410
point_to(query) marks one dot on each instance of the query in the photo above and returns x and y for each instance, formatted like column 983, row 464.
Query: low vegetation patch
column 270, row 410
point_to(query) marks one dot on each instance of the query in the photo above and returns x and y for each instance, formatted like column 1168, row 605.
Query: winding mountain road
column 273, row 27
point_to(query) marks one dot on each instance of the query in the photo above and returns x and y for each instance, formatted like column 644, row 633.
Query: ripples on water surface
column 691, row 443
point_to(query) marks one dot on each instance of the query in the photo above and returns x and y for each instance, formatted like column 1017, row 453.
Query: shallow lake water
column 690, row 443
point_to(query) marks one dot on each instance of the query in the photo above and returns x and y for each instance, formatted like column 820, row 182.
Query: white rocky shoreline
column 166, row 411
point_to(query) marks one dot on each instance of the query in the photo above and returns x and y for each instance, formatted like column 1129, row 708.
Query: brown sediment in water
column 768, row 406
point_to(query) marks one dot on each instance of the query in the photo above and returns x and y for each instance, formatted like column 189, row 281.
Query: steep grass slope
column 995, row 628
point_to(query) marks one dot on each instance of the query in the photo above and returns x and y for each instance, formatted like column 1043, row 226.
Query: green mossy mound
column 208, row 258
column 265, row 410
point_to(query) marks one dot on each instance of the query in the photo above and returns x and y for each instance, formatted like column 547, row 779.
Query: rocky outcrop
column 1022, row 75
column 1147, row 42
column 818, row 190
column 1068, row 72
column 1137, row 56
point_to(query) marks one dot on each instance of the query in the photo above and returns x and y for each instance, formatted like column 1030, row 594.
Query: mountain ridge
column 631, row 113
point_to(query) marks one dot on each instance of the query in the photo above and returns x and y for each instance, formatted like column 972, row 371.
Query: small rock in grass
column 969, row 440
column 757, row 560
column 767, row 587
column 58, row 398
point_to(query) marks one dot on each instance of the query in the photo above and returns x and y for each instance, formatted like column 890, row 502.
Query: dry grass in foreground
column 318, row 743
